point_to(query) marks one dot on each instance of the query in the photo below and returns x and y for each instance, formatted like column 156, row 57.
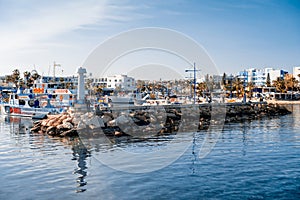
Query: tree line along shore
column 232, row 86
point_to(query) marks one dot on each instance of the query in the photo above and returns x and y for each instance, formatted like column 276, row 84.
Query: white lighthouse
column 80, row 91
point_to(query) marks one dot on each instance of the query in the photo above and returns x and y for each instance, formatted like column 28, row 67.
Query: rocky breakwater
column 69, row 124
column 143, row 121
column 56, row 125
column 250, row 111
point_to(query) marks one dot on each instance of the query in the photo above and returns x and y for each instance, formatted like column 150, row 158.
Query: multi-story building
column 245, row 76
column 276, row 73
column 259, row 76
column 119, row 82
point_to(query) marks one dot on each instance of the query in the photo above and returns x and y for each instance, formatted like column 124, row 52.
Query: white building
column 121, row 82
column 276, row 73
column 259, row 76
column 296, row 72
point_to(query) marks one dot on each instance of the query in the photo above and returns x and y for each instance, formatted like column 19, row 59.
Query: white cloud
column 36, row 32
column 44, row 22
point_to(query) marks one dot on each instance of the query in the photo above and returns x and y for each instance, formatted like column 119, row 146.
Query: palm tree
column 200, row 88
column 250, row 89
column 223, row 82
column 16, row 77
column 279, row 84
column 238, row 86
column 8, row 79
column 98, row 90
column 227, row 83
column 290, row 82
column 16, row 73
column 33, row 77
column 26, row 78
column 268, row 81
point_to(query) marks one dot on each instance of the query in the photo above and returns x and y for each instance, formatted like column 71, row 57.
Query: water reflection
column 17, row 125
column 245, row 139
column 239, row 139
column 194, row 154
column 80, row 154
column 44, row 145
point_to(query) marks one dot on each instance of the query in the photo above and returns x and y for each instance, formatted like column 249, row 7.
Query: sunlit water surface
column 251, row 160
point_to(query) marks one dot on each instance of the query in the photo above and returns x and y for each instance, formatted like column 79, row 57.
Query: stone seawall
column 151, row 120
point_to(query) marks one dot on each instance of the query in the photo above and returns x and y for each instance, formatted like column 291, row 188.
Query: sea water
column 257, row 159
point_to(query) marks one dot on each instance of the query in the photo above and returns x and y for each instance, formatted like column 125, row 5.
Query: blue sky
column 237, row 34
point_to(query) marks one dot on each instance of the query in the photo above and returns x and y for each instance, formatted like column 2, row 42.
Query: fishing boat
column 25, row 105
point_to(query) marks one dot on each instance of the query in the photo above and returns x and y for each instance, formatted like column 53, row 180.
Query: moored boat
column 26, row 106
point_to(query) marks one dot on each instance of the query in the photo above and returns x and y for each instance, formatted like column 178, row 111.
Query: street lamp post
column 231, row 79
column 244, row 84
column 194, row 71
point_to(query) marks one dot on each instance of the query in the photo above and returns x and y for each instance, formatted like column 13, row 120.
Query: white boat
column 155, row 102
column 119, row 101
column 23, row 105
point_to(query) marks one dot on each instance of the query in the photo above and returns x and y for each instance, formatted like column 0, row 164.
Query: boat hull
column 12, row 110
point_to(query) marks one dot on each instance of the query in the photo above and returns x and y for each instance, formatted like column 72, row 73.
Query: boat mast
column 55, row 65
